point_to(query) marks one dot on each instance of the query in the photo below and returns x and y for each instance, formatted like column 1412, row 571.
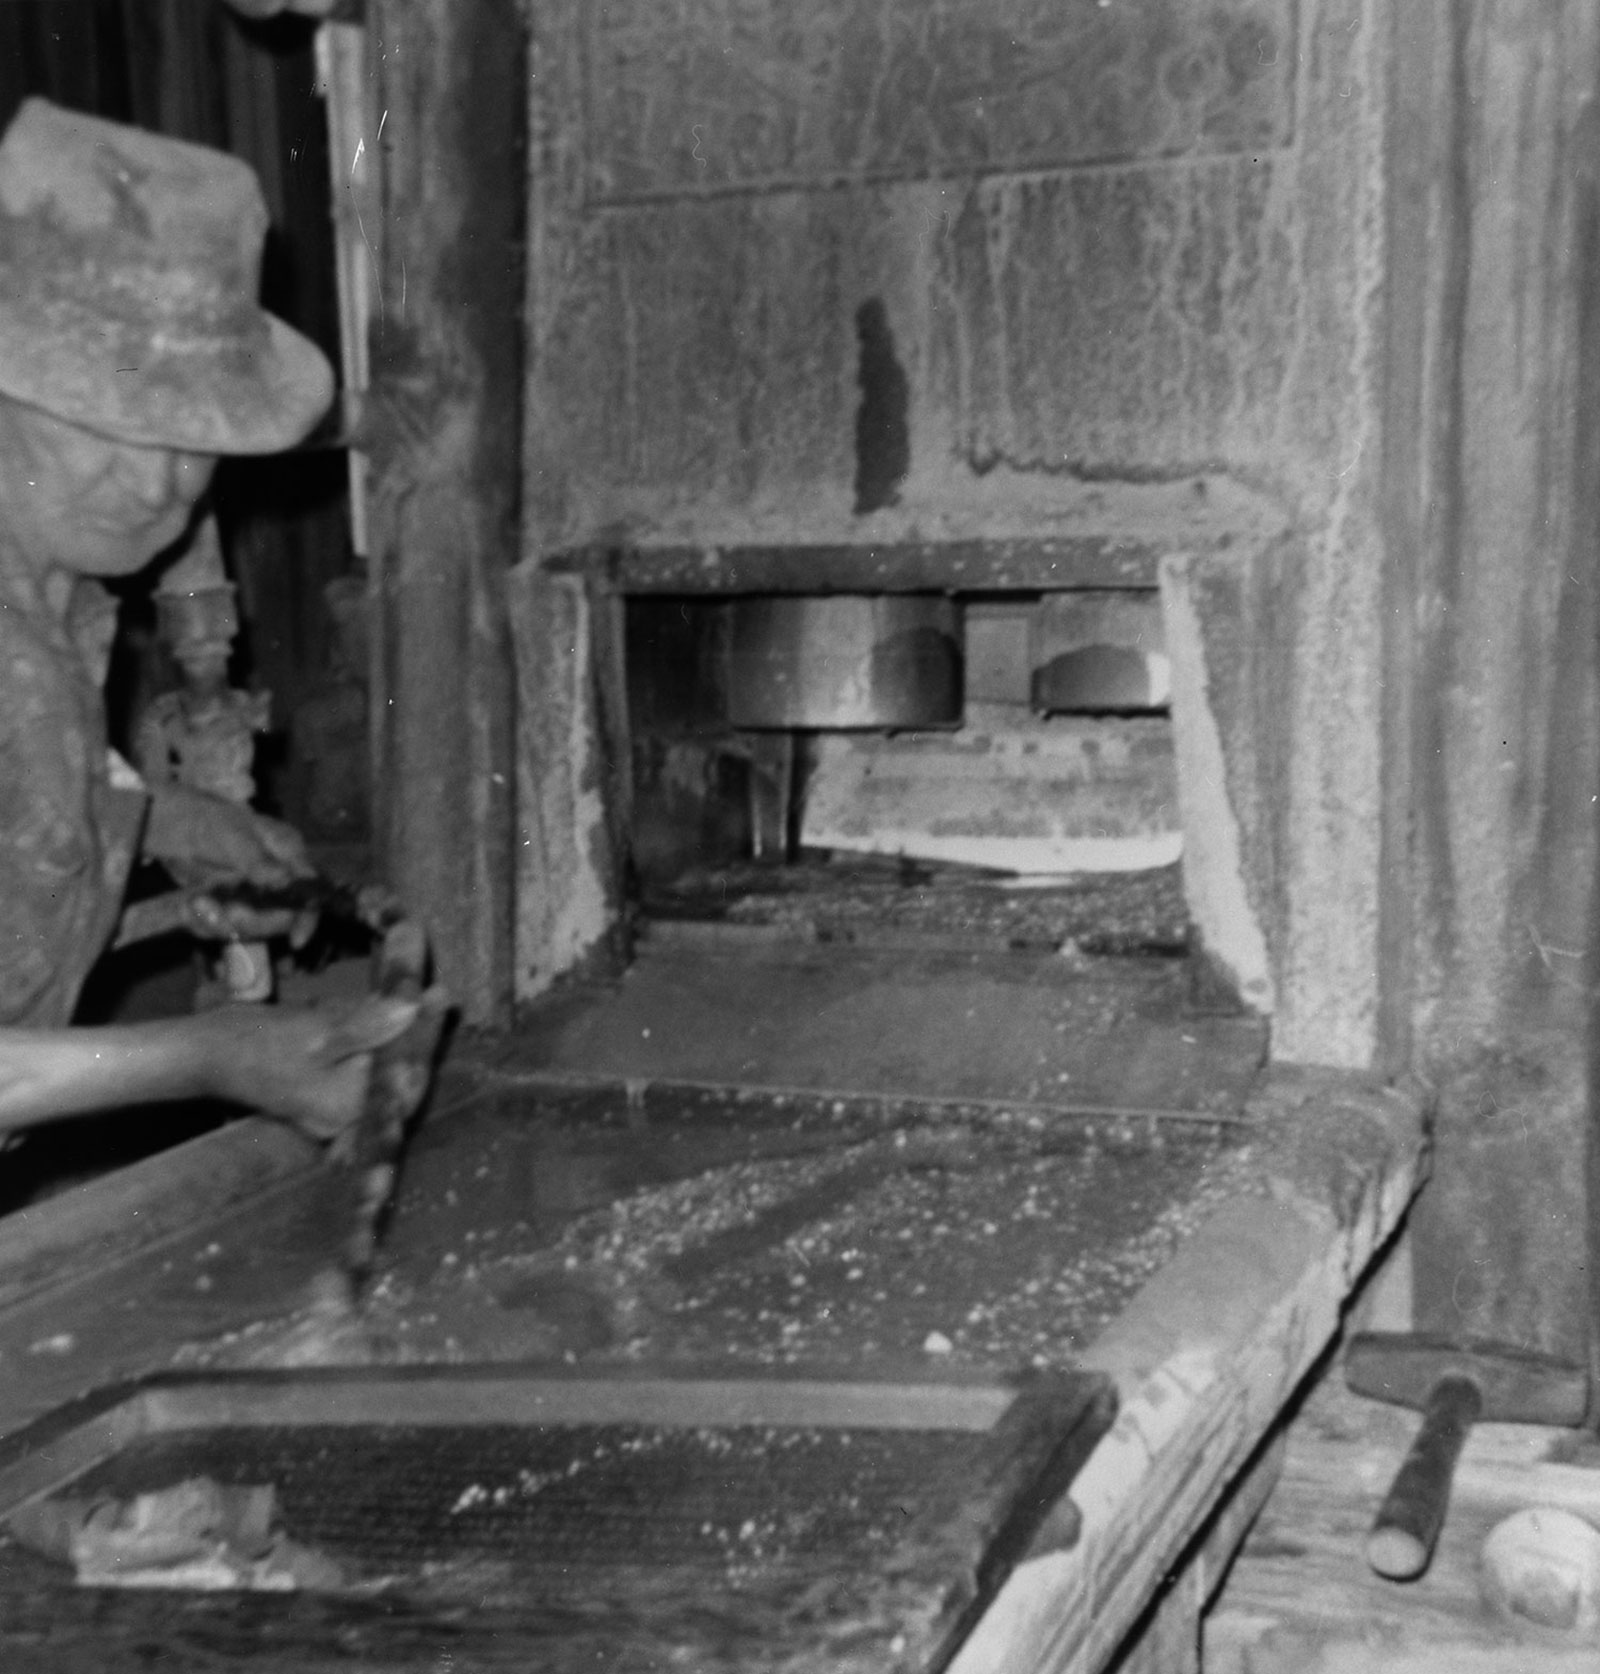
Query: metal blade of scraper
column 401, row 1071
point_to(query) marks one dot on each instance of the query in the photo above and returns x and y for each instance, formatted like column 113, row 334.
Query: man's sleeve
column 52, row 885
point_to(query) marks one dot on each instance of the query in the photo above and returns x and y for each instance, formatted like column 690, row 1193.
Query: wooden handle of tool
column 1412, row 1513
column 396, row 1086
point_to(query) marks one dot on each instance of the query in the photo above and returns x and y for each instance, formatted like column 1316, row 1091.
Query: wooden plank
column 1032, row 564
column 344, row 82
column 671, row 1395
column 62, row 1445
column 133, row 1310
column 1169, row 1639
column 1504, row 510
column 1454, row 1654
column 1204, row 1359
column 1020, row 1480
column 106, row 1220
column 58, row 1449
column 171, row 1196
column 1302, row 1596
column 442, row 425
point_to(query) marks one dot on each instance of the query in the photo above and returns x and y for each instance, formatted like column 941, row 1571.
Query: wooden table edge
column 1205, row 1358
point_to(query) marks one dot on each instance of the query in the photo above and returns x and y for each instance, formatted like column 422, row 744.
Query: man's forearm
column 46, row 1074
column 304, row 1064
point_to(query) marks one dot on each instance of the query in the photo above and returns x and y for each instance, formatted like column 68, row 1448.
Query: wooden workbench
column 103, row 1283
column 1301, row 1597
column 1206, row 1359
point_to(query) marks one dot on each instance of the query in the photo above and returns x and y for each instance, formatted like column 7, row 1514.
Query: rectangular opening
column 790, row 750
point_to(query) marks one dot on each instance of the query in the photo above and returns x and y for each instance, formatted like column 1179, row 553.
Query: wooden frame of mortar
column 1205, row 1359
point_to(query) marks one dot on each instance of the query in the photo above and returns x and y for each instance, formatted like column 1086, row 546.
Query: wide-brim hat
column 130, row 267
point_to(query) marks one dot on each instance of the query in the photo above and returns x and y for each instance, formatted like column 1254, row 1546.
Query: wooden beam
column 1042, row 564
column 1169, row 1639
column 443, row 419
column 49, row 1244
column 1205, row 1358
column 1494, row 410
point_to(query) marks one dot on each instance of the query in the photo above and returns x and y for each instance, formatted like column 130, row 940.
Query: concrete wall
column 1087, row 257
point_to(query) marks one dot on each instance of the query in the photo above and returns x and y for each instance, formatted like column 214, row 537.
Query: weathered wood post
column 448, row 96
column 1494, row 542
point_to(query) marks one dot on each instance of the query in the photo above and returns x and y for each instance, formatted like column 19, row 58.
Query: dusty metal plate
column 1029, row 1026
column 896, row 1502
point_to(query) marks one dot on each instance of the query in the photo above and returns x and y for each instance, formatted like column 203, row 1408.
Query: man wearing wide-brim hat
column 133, row 353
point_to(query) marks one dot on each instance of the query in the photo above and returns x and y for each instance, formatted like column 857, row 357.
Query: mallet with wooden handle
column 1454, row 1384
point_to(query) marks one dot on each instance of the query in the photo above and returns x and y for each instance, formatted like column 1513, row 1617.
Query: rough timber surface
column 1302, row 1596
column 1039, row 564
column 104, row 1220
column 1206, row 1357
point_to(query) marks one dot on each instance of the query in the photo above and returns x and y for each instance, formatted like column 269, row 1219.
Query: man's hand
column 203, row 840
column 209, row 920
column 308, row 1066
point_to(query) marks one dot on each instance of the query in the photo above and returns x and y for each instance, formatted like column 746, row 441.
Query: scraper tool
column 401, row 1070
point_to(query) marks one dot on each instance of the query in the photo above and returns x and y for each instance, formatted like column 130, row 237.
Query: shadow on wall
column 883, row 431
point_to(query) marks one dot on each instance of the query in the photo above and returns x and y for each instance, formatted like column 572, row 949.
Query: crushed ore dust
column 1021, row 1257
